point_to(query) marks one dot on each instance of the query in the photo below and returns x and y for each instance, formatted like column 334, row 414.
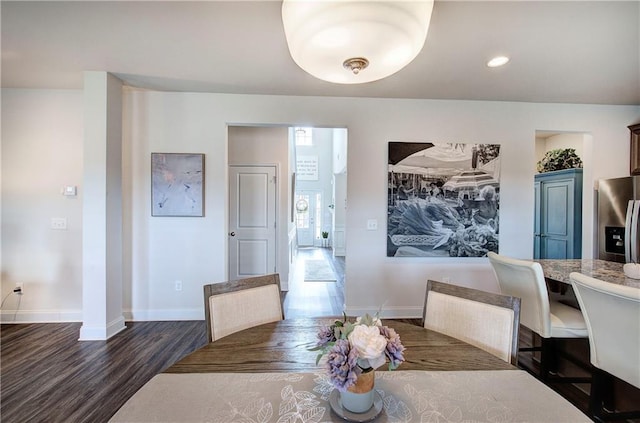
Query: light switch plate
column 70, row 190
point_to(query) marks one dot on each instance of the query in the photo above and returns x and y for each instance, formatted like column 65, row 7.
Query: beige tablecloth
column 408, row 396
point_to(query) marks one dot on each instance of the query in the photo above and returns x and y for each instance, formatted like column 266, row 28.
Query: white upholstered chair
column 236, row 305
column 486, row 320
column 549, row 319
column 612, row 314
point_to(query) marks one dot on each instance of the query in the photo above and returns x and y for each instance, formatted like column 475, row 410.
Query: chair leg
column 598, row 381
column 601, row 405
column 548, row 361
column 549, row 364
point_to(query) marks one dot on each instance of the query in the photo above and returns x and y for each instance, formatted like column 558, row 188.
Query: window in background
column 304, row 136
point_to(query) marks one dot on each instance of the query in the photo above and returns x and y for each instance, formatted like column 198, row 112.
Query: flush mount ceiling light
column 498, row 61
column 355, row 41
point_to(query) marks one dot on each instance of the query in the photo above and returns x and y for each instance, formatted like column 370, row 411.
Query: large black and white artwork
column 443, row 199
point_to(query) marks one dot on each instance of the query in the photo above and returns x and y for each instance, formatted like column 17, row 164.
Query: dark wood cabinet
column 558, row 215
column 635, row 149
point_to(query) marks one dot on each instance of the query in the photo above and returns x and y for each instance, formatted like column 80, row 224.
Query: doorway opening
column 310, row 211
column 319, row 207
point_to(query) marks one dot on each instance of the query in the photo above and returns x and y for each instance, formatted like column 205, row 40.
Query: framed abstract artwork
column 177, row 184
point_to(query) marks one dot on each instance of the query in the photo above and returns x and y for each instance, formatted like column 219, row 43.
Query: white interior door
column 306, row 206
column 252, row 221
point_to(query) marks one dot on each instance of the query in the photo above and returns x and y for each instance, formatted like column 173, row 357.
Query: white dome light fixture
column 355, row 41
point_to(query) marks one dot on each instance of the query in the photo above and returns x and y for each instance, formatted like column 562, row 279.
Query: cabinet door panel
column 557, row 225
column 557, row 208
column 536, row 221
column 556, row 219
column 556, row 248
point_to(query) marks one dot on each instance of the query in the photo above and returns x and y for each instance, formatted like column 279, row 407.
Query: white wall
column 193, row 250
column 102, row 230
column 42, row 137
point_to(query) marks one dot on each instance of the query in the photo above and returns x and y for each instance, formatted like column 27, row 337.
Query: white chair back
column 237, row 305
column 525, row 280
column 612, row 314
column 483, row 319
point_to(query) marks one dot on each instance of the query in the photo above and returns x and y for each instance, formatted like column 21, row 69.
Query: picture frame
column 443, row 199
column 634, row 165
column 177, row 185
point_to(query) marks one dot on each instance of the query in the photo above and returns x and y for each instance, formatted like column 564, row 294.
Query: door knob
column 232, row 233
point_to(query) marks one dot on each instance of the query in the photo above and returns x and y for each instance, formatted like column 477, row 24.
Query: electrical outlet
column 59, row 223
column 178, row 285
column 20, row 286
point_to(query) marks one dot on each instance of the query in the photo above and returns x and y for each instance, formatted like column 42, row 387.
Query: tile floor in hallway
column 313, row 299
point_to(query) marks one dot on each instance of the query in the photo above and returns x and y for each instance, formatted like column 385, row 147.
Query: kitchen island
column 609, row 271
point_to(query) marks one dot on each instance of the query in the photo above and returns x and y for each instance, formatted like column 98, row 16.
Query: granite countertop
column 609, row 271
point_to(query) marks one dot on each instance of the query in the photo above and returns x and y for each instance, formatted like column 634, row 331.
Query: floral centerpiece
column 357, row 348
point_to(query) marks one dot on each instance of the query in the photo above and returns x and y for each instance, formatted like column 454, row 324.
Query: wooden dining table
column 270, row 374
column 284, row 346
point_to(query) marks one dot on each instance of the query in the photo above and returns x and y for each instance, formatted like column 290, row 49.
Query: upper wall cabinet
column 558, row 215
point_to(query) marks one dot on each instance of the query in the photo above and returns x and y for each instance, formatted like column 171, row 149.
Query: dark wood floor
column 47, row 375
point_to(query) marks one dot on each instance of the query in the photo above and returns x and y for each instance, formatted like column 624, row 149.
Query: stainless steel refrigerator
column 618, row 219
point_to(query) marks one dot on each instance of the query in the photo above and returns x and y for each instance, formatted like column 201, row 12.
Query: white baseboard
column 33, row 316
column 284, row 283
column 63, row 316
column 67, row 316
column 387, row 312
column 101, row 333
column 164, row 315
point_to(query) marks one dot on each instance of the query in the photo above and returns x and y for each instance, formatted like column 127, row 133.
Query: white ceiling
column 561, row 51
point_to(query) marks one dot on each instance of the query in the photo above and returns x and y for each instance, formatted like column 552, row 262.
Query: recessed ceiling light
column 498, row 61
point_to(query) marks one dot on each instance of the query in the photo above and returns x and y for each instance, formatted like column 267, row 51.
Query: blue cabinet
column 558, row 215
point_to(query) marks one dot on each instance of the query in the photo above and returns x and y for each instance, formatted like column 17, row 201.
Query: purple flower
column 342, row 365
column 325, row 335
column 394, row 347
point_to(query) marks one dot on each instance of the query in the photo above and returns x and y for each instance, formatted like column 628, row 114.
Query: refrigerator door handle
column 627, row 231
column 635, row 221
